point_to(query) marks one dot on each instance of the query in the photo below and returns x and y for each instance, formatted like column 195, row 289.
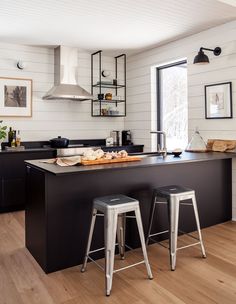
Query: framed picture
column 15, row 97
column 218, row 100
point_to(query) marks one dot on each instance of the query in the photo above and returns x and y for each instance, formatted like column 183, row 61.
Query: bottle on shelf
column 13, row 143
column 10, row 136
column 18, row 139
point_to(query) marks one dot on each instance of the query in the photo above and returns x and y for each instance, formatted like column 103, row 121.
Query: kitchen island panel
column 68, row 204
column 36, row 217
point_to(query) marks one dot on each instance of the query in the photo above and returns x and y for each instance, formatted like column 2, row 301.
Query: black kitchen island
column 59, row 200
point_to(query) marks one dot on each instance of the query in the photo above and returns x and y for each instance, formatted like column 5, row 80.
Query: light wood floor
column 196, row 280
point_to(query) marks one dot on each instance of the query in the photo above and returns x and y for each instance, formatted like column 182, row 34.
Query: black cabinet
column 12, row 178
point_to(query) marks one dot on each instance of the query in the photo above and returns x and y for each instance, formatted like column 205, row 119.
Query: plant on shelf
column 3, row 133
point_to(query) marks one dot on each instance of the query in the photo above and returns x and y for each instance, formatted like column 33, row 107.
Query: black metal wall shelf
column 108, row 101
column 100, row 107
column 110, row 115
column 109, row 86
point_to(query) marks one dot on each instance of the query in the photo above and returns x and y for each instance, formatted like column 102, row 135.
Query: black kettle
column 59, row 142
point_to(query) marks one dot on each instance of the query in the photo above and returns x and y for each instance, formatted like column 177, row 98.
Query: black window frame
column 158, row 88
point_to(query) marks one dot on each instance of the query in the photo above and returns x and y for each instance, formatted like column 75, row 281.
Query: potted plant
column 3, row 133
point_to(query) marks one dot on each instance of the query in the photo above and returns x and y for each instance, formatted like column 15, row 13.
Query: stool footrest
column 190, row 245
column 179, row 248
column 96, row 250
column 129, row 266
column 91, row 259
column 186, row 204
column 162, row 232
column 103, row 248
column 119, row 269
column 166, row 231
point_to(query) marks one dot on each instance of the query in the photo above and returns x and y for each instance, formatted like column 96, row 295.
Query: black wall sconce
column 20, row 65
column 202, row 58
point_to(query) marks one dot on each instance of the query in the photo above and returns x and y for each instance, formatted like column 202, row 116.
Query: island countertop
column 185, row 157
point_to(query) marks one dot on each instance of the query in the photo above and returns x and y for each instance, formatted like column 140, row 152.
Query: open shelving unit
column 116, row 107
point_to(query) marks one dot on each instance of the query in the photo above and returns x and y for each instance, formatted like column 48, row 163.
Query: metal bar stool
column 174, row 196
column 114, row 208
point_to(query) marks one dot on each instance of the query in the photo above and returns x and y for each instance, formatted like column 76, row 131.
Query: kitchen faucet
column 162, row 151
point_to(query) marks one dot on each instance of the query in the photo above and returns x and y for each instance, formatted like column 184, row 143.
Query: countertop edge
column 123, row 166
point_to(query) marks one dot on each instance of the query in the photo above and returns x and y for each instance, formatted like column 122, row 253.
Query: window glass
column 173, row 106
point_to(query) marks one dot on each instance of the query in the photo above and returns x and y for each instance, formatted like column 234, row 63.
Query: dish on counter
column 177, row 152
column 100, row 154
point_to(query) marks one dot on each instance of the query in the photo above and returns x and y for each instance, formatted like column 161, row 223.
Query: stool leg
column 198, row 226
column 174, row 221
column 142, row 239
column 121, row 234
column 83, row 268
column 110, row 226
column 153, row 206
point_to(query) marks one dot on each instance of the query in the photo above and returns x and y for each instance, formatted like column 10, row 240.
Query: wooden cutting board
column 110, row 161
column 221, row 145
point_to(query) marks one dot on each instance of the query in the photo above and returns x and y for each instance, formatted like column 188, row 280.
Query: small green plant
column 3, row 133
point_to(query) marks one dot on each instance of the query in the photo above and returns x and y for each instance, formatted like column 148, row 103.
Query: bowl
column 177, row 153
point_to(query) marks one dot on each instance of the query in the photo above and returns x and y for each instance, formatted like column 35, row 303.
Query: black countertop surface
column 145, row 162
column 27, row 150
column 41, row 149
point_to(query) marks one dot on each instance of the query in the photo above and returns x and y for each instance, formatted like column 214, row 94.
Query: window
column 172, row 107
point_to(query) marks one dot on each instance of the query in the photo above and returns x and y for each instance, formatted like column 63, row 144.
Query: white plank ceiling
column 131, row 25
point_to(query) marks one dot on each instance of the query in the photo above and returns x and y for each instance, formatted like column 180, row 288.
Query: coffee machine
column 126, row 138
column 116, row 137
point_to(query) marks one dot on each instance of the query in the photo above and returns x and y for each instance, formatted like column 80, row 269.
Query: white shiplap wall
column 51, row 118
column 141, row 85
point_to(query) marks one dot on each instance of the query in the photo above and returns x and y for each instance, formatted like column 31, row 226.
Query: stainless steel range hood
column 65, row 76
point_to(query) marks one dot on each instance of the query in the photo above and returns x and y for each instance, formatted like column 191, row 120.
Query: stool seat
column 114, row 200
column 171, row 190
column 117, row 202
column 114, row 208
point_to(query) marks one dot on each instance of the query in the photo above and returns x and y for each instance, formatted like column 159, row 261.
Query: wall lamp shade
column 202, row 58
column 21, row 65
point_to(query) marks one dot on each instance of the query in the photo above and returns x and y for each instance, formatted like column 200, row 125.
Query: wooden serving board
column 110, row 161
column 221, row 145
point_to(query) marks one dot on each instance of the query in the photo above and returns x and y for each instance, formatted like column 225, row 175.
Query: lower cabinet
column 12, row 178
column 13, row 192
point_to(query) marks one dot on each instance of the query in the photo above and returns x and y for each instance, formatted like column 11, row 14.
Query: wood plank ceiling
column 108, row 24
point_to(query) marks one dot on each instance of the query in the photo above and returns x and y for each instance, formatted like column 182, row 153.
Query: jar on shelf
column 108, row 96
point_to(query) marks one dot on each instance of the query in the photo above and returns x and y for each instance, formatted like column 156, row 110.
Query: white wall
column 141, row 85
column 51, row 118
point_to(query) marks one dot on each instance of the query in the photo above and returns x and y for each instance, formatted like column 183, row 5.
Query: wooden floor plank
column 195, row 281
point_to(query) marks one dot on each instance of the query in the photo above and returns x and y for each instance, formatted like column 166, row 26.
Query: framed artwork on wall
column 218, row 101
column 15, row 97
